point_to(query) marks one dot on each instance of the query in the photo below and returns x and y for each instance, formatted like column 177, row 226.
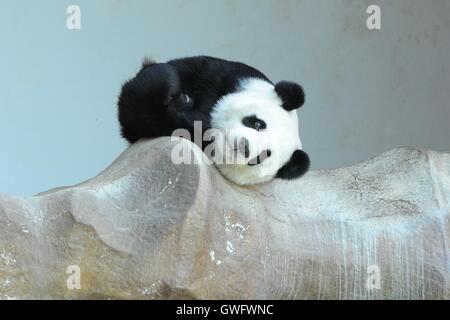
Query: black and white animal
column 257, row 118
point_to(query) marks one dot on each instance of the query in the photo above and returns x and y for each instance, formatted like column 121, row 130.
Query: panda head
column 259, row 132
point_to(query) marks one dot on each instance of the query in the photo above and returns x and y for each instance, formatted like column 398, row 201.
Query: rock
column 148, row 229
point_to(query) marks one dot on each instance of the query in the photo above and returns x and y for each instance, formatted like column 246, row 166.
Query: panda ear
column 291, row 94
column 297, row 166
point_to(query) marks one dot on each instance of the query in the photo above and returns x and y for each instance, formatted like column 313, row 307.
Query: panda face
column 260, row 134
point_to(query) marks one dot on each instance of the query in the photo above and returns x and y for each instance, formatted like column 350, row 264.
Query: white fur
column 256, row 97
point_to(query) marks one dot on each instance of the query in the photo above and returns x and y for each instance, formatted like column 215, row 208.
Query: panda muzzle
column 260, row 158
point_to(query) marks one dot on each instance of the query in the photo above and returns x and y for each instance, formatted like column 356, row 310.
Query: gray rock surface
column 148, row 229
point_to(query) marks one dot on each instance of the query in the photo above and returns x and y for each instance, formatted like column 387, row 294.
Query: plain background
column 367, row 91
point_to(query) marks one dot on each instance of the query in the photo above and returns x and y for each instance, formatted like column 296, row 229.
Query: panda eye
column 259, row 125
column 254, row 123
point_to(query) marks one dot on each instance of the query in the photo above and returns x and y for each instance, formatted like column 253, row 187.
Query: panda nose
column 243, row 147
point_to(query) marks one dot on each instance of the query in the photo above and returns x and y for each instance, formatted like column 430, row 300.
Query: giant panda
column 257, row 118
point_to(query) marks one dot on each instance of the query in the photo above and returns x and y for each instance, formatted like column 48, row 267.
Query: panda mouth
column 259, row 158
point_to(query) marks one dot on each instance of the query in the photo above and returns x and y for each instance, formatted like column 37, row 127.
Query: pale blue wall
column 367, row 91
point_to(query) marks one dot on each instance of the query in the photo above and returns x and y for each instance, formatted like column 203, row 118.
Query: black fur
column 291, row 94
column 163, row 97
column 297, row 166
column 153, row 103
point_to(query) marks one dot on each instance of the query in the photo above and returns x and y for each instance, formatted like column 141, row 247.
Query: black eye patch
column 254, row 122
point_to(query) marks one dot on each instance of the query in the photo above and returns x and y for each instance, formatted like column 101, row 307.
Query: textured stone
column 146, row 228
